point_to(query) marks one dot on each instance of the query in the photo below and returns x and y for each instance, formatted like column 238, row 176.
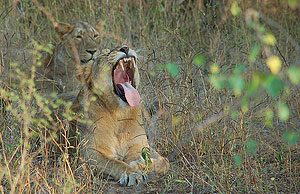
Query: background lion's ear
column 100, row 26
column 63, row 29
column 83, row 73
column 105, row 51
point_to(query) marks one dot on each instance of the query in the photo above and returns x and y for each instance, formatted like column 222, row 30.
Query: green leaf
column 199, row 60
column 180, row 181
column 245, row 104
column 294, row 75
column 217, row 81
column 269, row 114
column 214, row 68
column 254, row 52
column 237, row 84
column 239, row 69
column 269, row 39
column 274, row 64
column 235, row 9
column 273, row 85
column 160, row 67
column 53, row 95
column 237, row 160
column 255, row 83
column 251, row 147
column 283, row 111
column 273, row 179
column 152, row 73
column 235, row 114
column 48, row 48
column 173, row 69
column 291, row 137
column 293, row 3
column 146, row 156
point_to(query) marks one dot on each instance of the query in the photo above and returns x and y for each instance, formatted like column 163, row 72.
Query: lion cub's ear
column 83, row 72
column 63, row 29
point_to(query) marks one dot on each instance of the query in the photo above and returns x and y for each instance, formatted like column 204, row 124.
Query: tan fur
column 77, row 43
column 115, row 136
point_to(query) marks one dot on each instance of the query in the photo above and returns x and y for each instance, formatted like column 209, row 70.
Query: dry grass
column 231, row 152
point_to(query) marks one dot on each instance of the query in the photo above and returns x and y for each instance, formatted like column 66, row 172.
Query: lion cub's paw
column 133, row 179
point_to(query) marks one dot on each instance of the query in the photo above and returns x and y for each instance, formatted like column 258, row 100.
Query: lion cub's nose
column 124, row 49
column 91, row 51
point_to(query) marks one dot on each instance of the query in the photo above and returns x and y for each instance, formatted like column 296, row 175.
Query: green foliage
column 234, row 114
column 147, row 158
column 269, row 39
column 269, row 115
column 235, row 81
column 217, row 81
column 235, row 9
column 237, row 84
column 274, row 64
column 238, row 160
column 253, row 53
column 291, row 137
column 294, row 3
column 251, row 147
column 199, row 60
column 273, row 84
column 214, row 68
column 34, row 118
column 293, row 73
column 173, row 69
column 283, row 111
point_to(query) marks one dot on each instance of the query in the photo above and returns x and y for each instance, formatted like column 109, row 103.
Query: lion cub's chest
column 117, row 135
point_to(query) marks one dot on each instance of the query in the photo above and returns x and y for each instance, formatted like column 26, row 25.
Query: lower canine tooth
column 133, row 62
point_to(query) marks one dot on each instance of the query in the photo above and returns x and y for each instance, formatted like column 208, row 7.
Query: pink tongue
column 131, row 94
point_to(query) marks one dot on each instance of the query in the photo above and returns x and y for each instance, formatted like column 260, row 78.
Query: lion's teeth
column 126, row 59
column 121, row 64
column 133, row 62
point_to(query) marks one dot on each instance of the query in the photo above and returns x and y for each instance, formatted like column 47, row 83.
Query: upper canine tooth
column 121, row 64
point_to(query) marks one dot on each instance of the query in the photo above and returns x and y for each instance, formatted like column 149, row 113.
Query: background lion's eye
column 96, row 35
column 79, row 36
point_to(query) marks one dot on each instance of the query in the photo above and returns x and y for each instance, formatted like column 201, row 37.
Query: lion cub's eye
column 96, row 35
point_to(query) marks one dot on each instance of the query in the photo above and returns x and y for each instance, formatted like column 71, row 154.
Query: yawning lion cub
column 115, row 136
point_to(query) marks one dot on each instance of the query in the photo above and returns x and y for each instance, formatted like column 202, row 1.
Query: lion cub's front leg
column 119, row 170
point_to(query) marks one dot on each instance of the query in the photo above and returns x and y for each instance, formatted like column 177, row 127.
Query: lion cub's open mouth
column 123, row 81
